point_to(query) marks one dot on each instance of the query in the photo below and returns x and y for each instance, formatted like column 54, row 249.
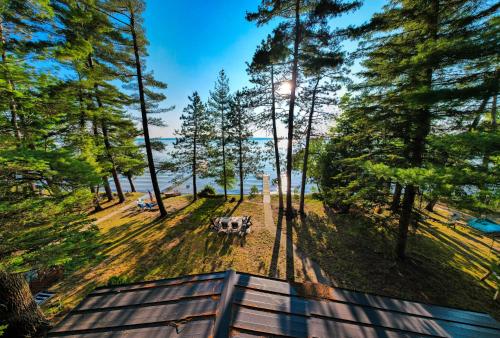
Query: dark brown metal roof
column 231, row 304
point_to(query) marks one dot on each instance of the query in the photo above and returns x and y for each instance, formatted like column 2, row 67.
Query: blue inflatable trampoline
column 484, row 225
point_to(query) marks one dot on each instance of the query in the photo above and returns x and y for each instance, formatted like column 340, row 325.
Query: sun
column 285, row 88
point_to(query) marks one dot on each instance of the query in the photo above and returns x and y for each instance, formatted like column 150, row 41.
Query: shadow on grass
column 188, row 246
column 358, row 254
column 290, row 268
column 475, row 240
column 450, row 241
column 111, row 205
column 151, row 248
column 273, row 267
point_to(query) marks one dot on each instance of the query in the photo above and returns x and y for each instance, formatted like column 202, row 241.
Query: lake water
column 170, row 180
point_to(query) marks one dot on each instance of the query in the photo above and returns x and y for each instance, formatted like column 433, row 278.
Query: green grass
column 444, row 265
column 136, row 246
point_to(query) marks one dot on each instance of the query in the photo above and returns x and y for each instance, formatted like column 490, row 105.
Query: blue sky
column 191, row 41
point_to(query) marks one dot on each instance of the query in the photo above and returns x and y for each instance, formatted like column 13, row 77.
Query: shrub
column 118, row 280
column 254, row 191
column 317, row 196
column 207, row 190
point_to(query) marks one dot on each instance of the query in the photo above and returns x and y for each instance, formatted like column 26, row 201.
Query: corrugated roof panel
column 415, row 308
column 235, row 333
column 232, row 304
column 320, row 327
column 161, row 282
column 266, row 284
column 275, row 323
column 270, row 301
column 191, row 329
column 152, row 295
column 106, row 318
column 390, row 319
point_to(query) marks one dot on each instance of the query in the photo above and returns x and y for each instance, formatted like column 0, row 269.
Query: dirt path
column 119, row 211
column 310, row 269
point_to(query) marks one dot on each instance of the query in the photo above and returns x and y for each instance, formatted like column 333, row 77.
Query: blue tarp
column 484, row 225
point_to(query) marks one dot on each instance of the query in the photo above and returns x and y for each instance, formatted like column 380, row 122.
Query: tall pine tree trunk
column 289, row 151
column 18, row 308
column 224, row 170
column 423, row 124
column 145, row 127
column 494, row 108
column 10, row 86
column 81, row 105
column 107, row 144
column 240, row 155
column 431, row 204
column 275, row 141
column 195, row 140
column 404, row 220
column 306, row 150
column 114, row 173
column 396, row 197
column 105, row 183
column 107, row 188
column 131, row 182
column 95, row 193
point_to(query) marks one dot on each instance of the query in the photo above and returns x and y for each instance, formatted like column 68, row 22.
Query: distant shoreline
column 173, row 138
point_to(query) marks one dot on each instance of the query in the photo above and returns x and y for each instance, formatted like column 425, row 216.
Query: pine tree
column 350, row 144
column 128, row 16
column 48, row 125
column 247, row 158
column 92, row 49
column 421, row 76
column 189, row 154
column 266, row 71
column 290, row 10
column 19, row 21
column 220, row 165
column 294, row 12
column 322, row 62
column 42, row 183
column 130, row 161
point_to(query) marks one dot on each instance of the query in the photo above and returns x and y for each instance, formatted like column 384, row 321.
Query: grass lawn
column 136, row 245
column 444, row 265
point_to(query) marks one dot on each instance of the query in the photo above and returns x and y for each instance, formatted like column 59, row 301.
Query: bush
column 118, row 280
column 2, row 329
column 254, row 191
column 317, row 196
column 207, row 190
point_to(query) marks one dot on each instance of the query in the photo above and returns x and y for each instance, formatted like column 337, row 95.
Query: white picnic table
column 232, row 224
